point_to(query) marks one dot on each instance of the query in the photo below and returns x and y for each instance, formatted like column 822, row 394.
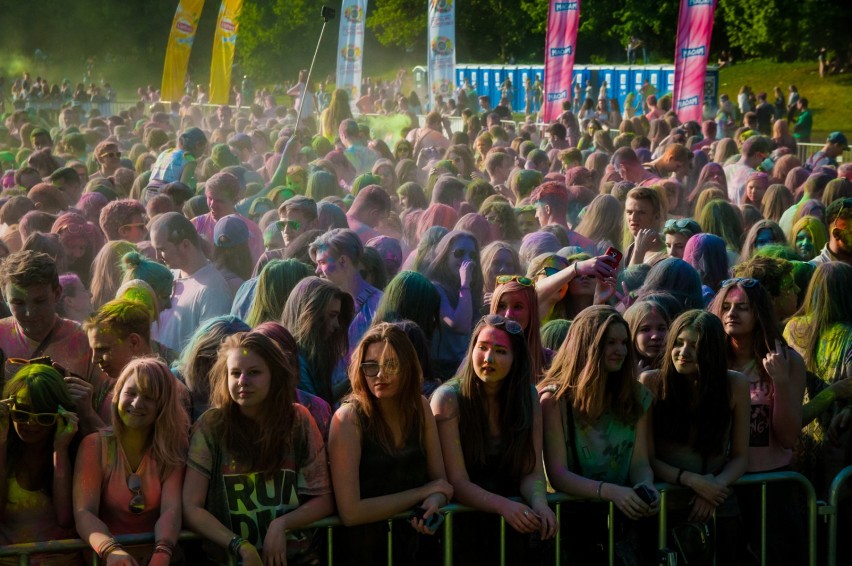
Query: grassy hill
column 830, row 98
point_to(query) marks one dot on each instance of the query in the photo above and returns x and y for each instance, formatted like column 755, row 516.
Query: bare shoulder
column 444, row 403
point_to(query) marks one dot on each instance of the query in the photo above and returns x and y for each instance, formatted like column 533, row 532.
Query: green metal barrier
column 833, row 504
column 24, row 551
column 761, row 480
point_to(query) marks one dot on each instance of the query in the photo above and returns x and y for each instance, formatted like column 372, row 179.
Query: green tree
column 398, row 23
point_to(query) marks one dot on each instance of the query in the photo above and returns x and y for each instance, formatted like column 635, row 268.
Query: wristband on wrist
column 235, row 544
column 107, row 547
column 678, row 480
column 600, row 488
column 163, row 547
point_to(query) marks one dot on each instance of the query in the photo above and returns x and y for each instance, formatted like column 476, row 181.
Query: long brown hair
column 698, row 418
column 515, row 405
column 409, row 376
column 578, row 369
column 263, row 443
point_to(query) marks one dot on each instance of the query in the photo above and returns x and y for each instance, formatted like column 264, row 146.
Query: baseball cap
column 838, row 137
column 240, row 141
column 230, row 231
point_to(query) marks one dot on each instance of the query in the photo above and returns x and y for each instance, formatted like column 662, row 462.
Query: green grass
column 829, row 98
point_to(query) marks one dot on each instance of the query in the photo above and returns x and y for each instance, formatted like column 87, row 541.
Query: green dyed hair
column 158, row 276
column 718, row 217
column 523, row 181
column 410, row 296
column 45, row 386
column 553, row 333
column 364, row 180
column 276, row 281
column 123, row 317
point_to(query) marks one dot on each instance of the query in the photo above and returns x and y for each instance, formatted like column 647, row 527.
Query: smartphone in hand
column 614, row 256
column 432, row 523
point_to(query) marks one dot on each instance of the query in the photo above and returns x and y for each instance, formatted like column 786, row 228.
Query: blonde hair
column 170, row 436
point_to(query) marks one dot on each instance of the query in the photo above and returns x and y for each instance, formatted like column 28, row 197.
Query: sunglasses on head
column 525, row 281
column 137, row 502
column 747, row 282
column 388, row 367
column 25, row 417
column 460, row 253
column 508, row 324
column 76, row 229
column 678, row 223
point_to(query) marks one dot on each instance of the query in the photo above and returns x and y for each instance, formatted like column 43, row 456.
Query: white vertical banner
column 350, row 47
column 442, row 49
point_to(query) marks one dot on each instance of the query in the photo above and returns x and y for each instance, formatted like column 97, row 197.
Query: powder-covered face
column 805, row 245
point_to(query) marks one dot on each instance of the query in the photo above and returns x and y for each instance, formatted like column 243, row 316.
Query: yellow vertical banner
column 179, row 47
column 224, row 44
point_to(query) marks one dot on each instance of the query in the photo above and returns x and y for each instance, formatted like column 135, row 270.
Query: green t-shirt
column 605, row 447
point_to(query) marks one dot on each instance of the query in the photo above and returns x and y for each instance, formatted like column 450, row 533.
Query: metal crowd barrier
column 24, row 551
column 832, row 510
column 805, row 150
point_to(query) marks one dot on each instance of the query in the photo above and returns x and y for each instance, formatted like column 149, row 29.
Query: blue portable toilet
column 606, row 74
column 483, row 88
column 462, row 71
column 622, row 84
column 496, row 80
column 654, row 75
column 668, row 74
column 523, row 73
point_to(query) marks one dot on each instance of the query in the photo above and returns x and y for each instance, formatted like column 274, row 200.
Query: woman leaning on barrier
column 489, row 423
column 596, row 434
column 38, row 440
column 776, row 376
column 128, row 479
column 257, row 469
column 385, row 454
column 700, row 421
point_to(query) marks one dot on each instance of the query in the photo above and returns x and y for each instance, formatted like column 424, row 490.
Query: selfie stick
column 327, row 14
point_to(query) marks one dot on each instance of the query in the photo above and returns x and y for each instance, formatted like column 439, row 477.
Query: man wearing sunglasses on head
column 31, row 288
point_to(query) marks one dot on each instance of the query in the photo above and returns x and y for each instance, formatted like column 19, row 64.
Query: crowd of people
column 236, row 324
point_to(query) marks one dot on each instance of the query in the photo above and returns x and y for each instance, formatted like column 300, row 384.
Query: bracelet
column 163, row 547
column 464, row 288
column 107, row 547
column 234, row 545
column 679, row 475
column 600, row 487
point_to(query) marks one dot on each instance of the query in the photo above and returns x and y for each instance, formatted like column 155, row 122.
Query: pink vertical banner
column 694, row 29
column 563, row 20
